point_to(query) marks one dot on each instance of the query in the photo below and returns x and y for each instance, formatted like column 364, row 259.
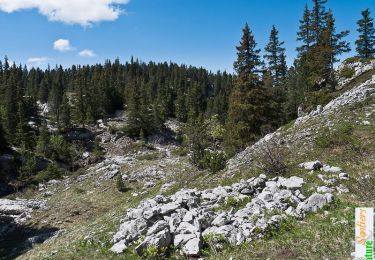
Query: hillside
column 243, row 212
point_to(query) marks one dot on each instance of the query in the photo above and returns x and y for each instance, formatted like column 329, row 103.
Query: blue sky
column 194, row 32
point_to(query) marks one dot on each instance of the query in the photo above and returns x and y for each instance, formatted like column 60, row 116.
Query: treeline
column 262, row 95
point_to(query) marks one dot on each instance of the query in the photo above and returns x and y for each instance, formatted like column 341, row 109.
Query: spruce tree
column 318, row 19
column 305, row 32
column 335, row 45
column 275, row 57
column 247, row 101
column 365, row 45
column 65, row 113
column 24, row 139
column 43, row 142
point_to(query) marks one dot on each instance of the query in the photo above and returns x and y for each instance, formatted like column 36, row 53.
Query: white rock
column 291, row 183
column 119, row 247
column 314, row 202
column 333, row 169
column 324, row 189
column 315, row 165
column 192, row 247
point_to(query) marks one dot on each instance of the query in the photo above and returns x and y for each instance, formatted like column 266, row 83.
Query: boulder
column 314, row 203
column 311, row 166
column 159, row 240
column 157, row 227
column 193, row 247
column 292, row 183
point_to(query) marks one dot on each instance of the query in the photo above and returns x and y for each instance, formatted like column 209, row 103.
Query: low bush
column 346, row 73
column 271, row 159
column 120, row 185
column 180, row 151
column 214, row 161
column 52, row 172
column 148, row 156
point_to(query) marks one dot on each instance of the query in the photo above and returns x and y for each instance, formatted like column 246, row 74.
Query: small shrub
column 120, row 183
column 29, row 167
column 180, row 151
column 214, row 161
column 97, row 150
column 112, row 129
column 148, row 156
column 52, row 172
column 346, row 73
column 135, row 147
column 211, row 241
column 271, row 158
column 62, row 150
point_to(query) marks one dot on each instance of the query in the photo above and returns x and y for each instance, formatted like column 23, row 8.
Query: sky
column 201, row 33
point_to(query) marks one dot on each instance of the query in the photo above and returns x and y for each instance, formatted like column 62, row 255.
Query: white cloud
column 83, row 12
column 87, row 53
column 62, row 45
column 38, row 61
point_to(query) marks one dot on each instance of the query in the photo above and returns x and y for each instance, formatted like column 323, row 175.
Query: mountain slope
column 87, row 208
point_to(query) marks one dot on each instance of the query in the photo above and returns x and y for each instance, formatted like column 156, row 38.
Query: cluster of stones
column 187, row 217
column 15, row 212
column 331, row 176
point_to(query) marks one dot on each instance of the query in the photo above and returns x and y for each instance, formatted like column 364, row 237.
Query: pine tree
column 24, row 139
column 43, row 142
column 56, row 94
column 335, row 45
column 65, row 113
column 80, row 103
column 275, row 57
column 11, row 107
column 246, row 104
column 318, row 19
column 305, row 32
column 366, row 41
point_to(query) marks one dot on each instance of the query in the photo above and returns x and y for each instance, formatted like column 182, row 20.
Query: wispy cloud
column 62, row 45
column 87, row 53
column 38, row 61
column 83, row 12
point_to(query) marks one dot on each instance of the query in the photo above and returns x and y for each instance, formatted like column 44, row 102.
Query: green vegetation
column 51, row 172
column 347, row 73
column 120, row 183
column 366, row 41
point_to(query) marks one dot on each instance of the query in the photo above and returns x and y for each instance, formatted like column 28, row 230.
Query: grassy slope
column 100, row 208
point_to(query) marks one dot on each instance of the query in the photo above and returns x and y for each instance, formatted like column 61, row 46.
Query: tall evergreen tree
column 305, row 32
column 366, row 41
column 275, row 57
column 65, row 113
column 43, row 142
column 246, row 104
column 334, row 44
column 318, row 19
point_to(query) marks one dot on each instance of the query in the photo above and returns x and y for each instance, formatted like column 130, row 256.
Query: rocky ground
column 172, row 209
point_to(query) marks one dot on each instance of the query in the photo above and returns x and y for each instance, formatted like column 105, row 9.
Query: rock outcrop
column 15, row 212
column 189, row 216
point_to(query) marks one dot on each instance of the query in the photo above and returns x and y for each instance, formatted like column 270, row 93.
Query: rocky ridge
column 357, row 94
